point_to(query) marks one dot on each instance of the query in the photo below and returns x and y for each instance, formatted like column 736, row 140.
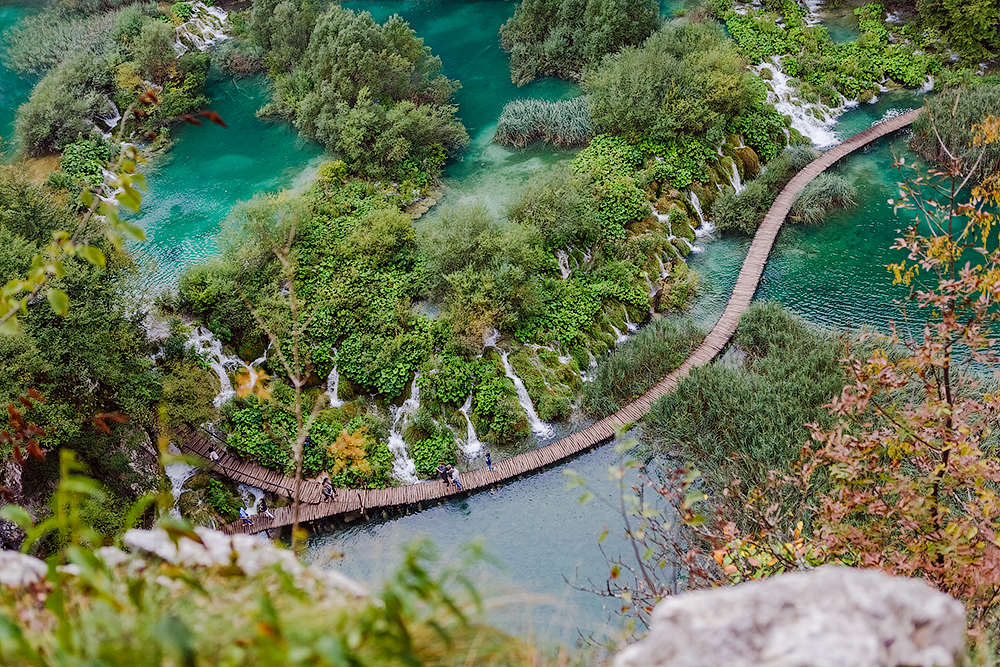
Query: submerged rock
column 829, row 617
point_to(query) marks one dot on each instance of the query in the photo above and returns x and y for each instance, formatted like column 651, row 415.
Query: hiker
column 454, row 478
column 265, row 510
column 213, row 456
column 247, row 521
column 489, row 461
column 328, row 491
column 443, row 471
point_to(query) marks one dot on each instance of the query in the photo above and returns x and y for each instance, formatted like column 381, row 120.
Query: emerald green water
column 14, row 88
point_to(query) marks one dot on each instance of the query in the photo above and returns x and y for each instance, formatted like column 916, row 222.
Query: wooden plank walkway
column 354, row 501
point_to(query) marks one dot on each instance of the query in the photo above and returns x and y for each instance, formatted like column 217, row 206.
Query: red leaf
column 18, row 456
column 214, row 117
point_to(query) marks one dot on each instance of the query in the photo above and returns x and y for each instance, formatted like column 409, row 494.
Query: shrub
column 635, row 366
column 823, row 194
column 85, row 160
column 563, row 123
column 65, row 105
column 239, row 58
column 563, row 37
column 428, row 452
column 222, row 500
column 182, row 10
column 955, row 113
column 562, row 205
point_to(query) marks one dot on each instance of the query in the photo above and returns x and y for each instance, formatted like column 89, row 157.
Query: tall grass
column 745, row 211
column 742, row 422
column 823, row 194
column 563, row 123
column 631, row 369
column 955, row 112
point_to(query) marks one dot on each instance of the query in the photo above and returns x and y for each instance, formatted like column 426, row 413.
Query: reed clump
column 823, row 194
column 564, row 123
column 635, row 366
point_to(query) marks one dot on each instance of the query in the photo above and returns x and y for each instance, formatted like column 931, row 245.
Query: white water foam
column 541, row 430
column 333, row 383
column 205, row 29
column 178, row 473
column 251, row 496
column 815, row 121
column 472, row 445
column 736, row 182
column 562, row 258
column 404, row 468
column 705, row 228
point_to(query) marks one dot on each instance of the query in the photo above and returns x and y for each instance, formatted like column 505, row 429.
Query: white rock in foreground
column 829, row 617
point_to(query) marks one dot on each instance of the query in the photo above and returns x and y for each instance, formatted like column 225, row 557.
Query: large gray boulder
column 828, row 617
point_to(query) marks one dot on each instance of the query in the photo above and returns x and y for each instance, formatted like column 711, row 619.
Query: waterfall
column 178, row 473
column 209, row 348
column 333, row 383
column 706, row 227
column 737, row 183
column 541, row 430
column 472, row 446
column 404, row 468
column 663, row 269
column 563, row 260
column 619, row 336
column 814, row 121
column 205, row 29
column 630, row 326
column 255, row 495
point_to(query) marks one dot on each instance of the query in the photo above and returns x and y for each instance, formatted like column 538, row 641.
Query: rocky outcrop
column 829, row 617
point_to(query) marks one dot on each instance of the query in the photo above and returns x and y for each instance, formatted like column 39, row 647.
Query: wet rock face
column 829, row 617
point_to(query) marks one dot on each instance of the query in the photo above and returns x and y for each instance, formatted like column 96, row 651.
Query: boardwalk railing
column 362, row 501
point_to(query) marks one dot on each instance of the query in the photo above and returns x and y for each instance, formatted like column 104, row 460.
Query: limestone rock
column 829, row 617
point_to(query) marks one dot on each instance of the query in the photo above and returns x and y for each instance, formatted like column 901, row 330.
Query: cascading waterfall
column 404, row 468
column 178, row 473
column 208, row 347
column 541, row 430
column 563, row 260
column 736, row 182
column 814, row 121
column 472, row 445
column 333, row 384
column 205, row 29
column 706, row 227
column 630, row 326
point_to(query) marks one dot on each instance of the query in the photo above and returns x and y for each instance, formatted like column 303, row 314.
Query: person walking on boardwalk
column 213, row 456
column 489, row 461
column 265, row 510
column 247, row 521
column 329, row 493
column 443, row 471
column 454, row 478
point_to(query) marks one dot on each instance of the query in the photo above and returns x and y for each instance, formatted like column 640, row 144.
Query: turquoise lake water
column 832, row 274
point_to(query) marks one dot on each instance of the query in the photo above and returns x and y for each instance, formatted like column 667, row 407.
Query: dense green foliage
column 562, row 38
column 563, row 123
column 826, row 70
column 687, row 78
column 972, row 29
column 744, row 212
column 630, row 370
column 95, row 64
column 955, row 113
column 90, row 362
column 372, row 93
column 743, row 422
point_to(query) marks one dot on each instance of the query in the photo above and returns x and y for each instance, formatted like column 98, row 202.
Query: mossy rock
column 681, row 246
column 554, row 406
column 747, row 161
column 682, row 228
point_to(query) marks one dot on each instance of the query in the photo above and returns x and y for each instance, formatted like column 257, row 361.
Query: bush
column 223, row 500
column 687, row 78
column 182, row 10
column 65, row 105
column 239, row 58
column 745, row 211
column 563, row 37
column 563, row 206
column 955, row 113
column 428, row 452
column 823, row 194
column 741, row 423
column 563, row 123
column 85, row 161
column 373, row 93
column 633, row 368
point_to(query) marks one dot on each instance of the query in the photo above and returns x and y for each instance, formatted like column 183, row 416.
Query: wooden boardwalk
column 363, row 501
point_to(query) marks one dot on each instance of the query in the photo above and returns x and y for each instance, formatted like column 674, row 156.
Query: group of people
column 262, row 509
column 449, row 474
